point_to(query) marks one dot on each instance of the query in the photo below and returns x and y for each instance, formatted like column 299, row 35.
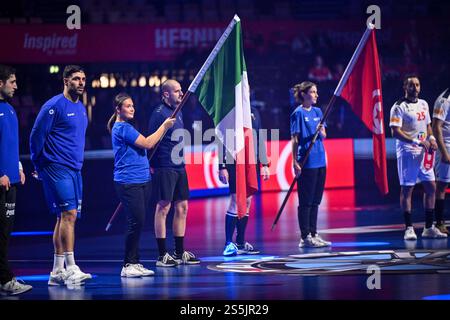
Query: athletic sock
column 429, row 213
column 439, row 210
column 69, row 259
column 58, row 262
column 179, row 248
column 407, row 216
column 241, row 226
column 230, row 225
column 161, row 246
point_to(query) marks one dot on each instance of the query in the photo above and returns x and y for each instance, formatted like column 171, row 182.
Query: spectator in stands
column 319, row 72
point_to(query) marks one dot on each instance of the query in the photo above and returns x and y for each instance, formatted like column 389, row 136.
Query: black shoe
column 166, row 261
column 186, row 258
column 246, row 248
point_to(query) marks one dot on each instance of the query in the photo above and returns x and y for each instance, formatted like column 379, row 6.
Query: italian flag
column 222, row 89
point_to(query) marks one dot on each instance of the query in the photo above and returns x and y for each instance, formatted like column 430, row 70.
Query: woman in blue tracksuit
column 305, row 120
column 132, row 178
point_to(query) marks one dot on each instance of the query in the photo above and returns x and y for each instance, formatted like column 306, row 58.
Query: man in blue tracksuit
column 11, row 174
column 57, row 150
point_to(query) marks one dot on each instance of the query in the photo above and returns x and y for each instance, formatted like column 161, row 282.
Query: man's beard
column 75, row 92
column 6, row 97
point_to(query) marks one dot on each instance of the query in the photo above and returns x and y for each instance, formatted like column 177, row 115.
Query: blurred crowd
column 273, row 68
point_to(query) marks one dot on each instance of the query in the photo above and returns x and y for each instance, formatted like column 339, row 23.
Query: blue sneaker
column 230, row 250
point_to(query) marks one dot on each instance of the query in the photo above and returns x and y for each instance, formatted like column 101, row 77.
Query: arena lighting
column 104, row 81
column 31, row 233
column 133, row 83
column 164, row 78
column 154, row 81
column 112, row 81
column 93, row 100
column 142, row 81
column 54, row 69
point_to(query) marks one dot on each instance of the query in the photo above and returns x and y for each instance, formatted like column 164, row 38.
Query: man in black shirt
column 170, row 183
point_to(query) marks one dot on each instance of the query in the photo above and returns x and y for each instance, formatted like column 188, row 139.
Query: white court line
column 370, row 229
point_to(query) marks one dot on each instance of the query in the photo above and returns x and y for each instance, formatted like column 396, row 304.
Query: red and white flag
column 361, row 88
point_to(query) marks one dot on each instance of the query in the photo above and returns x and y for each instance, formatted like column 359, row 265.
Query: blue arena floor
column 364, row 234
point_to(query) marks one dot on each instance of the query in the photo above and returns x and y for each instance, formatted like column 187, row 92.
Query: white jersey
column 413, row 119
column 440, row 111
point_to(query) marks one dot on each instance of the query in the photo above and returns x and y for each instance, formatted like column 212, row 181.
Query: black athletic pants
column 7, row 209
column 310, row 187
column 135, row 199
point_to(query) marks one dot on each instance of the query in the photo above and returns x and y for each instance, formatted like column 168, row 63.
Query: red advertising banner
column 163, row 42
column 202, row 168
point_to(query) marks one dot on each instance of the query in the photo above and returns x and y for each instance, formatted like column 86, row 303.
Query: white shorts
column 410, row 169
column 442, row 169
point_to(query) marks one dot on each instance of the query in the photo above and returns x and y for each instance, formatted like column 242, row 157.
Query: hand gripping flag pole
column 198, row 78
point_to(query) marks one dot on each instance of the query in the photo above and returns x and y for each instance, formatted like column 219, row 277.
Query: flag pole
column 198, row 78
column 332, row 101
column 193, row 86
column 308, row 151
column 355, row 56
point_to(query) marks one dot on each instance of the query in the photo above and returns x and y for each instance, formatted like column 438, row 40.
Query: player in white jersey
column 410, row 125
column 441, row 130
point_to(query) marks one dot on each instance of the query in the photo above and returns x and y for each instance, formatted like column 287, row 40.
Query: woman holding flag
column 305, row 121
column 132, row 176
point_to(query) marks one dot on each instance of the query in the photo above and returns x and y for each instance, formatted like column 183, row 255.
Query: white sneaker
column 410, row 234
column 15, row 287
column 324, row 242
column 144, row 271
column 57, row 278
column 130, row 271
column 311, row 242
column 186, row 257
column 75, row 275
column 433, row 233
column 301, row 244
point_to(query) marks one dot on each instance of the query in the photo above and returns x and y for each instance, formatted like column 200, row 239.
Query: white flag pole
column 353, row 60
column 213, row 54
